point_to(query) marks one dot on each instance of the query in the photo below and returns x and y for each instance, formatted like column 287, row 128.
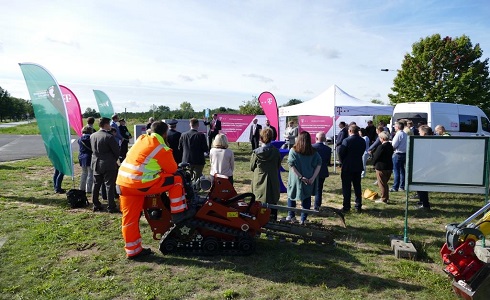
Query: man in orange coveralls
column 149, row 168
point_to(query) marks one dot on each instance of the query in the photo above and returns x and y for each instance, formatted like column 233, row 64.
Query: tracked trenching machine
column 466, row 255
column 225, row 222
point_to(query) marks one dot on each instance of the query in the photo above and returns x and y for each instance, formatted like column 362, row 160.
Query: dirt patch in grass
column 81, row 250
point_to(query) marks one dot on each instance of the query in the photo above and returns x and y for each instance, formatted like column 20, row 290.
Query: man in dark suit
column 341, row 136
column 173, row 137
column 126, row 135
column 325, row 153
column 255, row 134
column 274, row 131
column 350, row 153
column 105, row 152
column 371, row 132
column 214, row 128
column 193, row 145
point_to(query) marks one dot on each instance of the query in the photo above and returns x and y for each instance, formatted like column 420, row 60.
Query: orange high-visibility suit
column 148, row 169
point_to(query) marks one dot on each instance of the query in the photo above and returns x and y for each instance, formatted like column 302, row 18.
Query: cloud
column 328, row 53
column 167, row 83
column 258, row 77
column 66, row 43
column 308, row 92
column 190, row 78
column 186, row 78
column 373, row 95
column 1, row 47
column 131, row 104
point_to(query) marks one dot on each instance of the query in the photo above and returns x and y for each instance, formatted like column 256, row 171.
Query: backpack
column 77, row 198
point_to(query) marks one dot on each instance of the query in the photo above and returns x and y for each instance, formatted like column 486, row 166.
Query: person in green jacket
column 265, row 163
column 304, row 165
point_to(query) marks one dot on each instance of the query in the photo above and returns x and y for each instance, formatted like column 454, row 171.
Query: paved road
column 15, row 147
column 12, row 124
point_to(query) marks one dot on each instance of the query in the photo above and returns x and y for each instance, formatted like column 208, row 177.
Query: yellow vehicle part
column 483, row 224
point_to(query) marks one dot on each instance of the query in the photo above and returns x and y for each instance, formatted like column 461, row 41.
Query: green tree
column 377, row 101
column 163, row 109
column 186, row 107
column 292, row 102
column 89, row 112
column 29, row 108
column 4, row 104
column 251, row 107
column 443, row 70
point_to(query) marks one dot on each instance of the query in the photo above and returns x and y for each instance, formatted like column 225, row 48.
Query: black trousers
column 353, row 178
column 109, row 179
column 211, row 137
column 424, row 198
column 255, row 143
column 123, row 150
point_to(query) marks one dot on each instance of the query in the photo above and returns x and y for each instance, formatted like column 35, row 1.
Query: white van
column 458, row 119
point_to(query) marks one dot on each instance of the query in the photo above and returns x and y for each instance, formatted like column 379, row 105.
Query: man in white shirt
column 255, row 134
column 290, row 135
column 399, row 143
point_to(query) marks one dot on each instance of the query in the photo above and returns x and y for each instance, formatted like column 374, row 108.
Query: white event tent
column 335, row 102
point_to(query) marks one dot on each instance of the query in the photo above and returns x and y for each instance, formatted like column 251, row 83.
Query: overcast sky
column 223, row 52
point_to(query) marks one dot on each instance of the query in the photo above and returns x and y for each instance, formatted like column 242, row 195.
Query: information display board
column 447, row 164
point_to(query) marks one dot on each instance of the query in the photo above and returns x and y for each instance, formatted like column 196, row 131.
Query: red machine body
column 467, row 258
column 223, row 220
column 461, row 264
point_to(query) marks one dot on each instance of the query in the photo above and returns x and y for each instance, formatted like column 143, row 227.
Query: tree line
column 14, row 109
column 186, row 111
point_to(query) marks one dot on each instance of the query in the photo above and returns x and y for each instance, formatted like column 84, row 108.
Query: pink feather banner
column 72, row 109
column 269, row 105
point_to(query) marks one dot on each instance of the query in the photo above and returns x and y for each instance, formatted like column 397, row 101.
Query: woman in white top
column 221, row 158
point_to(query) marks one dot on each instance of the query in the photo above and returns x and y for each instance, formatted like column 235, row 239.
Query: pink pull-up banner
column 269, row 105
column 72, row 109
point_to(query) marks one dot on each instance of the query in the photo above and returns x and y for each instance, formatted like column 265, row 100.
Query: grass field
column 54, row 252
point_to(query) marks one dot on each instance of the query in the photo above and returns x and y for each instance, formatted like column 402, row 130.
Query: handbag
column 77, row 198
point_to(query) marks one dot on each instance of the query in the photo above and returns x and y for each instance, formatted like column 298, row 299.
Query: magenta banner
column 72, row 109
column 314, row 124
column 234, row 126
column 269, row 105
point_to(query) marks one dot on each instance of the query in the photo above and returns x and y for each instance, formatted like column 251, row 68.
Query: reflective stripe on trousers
column 131, row 203
column 134, row 252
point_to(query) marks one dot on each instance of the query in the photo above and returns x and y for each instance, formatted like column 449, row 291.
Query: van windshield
column 485, row 125
column 415, row 117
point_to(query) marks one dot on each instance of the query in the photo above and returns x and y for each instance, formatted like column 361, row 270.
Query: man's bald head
column 320, row 137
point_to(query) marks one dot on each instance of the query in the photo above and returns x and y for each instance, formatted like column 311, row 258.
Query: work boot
column 185, row 215
column 143, row 253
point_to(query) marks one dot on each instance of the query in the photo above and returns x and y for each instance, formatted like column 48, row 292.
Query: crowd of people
column 149, row 166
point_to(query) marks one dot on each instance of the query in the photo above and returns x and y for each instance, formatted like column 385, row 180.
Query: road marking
column 12, row 143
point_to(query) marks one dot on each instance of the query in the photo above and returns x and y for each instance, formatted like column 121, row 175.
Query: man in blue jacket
column 350, row 153
column 325, row 153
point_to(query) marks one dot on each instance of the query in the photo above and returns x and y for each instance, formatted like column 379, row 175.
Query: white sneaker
column 288, row 218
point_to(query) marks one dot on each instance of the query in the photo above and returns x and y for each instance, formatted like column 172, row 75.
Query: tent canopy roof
column 335, row 102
